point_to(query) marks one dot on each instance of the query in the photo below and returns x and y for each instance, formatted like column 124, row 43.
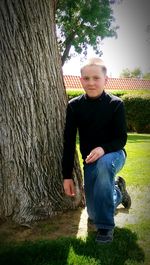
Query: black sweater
column 100, row 122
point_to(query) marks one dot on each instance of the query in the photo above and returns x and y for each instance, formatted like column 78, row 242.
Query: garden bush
column 137, row 113
column 72, row 93
column 77, row 92
column 137, row 105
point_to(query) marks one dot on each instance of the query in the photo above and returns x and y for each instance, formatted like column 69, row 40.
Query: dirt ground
column 75, row 223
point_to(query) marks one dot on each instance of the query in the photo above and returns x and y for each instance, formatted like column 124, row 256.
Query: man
column 100, row 120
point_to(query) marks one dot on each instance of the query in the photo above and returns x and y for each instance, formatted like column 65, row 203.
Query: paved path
column 138, row 212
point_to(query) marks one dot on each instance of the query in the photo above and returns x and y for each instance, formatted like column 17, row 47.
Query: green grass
column 136, row 170
column 131, row 243
column 143, row 231
column 71, row 251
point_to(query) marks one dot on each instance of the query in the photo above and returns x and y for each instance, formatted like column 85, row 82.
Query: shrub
column 137, row 104
column 72, row 93
column 137, row 113
column 77, row 92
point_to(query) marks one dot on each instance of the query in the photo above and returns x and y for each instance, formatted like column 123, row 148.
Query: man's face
column 93, row 80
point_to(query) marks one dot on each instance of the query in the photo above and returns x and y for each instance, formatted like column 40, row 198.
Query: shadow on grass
column 123, row 250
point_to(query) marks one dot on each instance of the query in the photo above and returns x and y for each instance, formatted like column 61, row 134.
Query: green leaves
column 83, row 23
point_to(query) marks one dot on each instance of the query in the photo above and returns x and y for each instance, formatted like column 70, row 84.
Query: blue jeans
column 101, row 193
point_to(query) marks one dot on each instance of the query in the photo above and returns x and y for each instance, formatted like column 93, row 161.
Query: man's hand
column 69, row 187
column 94, row 155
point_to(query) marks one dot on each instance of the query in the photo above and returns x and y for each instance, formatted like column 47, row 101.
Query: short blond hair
column 95, row 61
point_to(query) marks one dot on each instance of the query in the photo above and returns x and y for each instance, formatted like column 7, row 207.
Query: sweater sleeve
column 119, row 130
column 69, row 144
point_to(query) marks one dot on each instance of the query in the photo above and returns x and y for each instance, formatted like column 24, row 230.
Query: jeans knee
column 104, row 166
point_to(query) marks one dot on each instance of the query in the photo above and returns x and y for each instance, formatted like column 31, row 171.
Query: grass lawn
column 131, row 241
column 137, row 168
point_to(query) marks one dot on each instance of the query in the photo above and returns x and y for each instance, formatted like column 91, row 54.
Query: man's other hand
column 69, row 187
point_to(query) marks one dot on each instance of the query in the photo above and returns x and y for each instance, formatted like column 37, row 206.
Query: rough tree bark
column 32, row 113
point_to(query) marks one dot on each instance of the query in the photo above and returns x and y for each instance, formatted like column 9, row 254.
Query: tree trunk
column 32, row 106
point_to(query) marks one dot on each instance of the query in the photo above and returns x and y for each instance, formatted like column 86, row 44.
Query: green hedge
column 77, row 92
column 137, row 105
column 137, row 113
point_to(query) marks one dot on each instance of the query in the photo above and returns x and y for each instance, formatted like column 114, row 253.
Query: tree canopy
column 134, row 73
column 146, row 76
column 81, row 23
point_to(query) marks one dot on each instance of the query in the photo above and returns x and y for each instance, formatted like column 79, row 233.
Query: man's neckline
column 95, row 98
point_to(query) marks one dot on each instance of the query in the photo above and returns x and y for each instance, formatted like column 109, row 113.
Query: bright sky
column 132, row 47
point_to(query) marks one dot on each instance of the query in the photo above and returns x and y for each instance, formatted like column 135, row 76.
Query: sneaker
column 104, row 236
column 126, row 199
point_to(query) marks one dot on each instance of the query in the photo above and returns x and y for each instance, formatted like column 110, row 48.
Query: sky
column 131, row 49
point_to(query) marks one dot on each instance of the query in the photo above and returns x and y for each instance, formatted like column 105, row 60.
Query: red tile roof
column 73, row 82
